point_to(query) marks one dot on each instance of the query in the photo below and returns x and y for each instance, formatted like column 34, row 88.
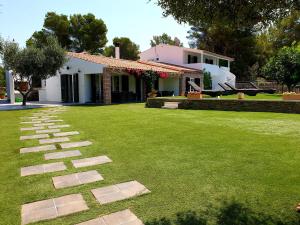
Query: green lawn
column 236, row 167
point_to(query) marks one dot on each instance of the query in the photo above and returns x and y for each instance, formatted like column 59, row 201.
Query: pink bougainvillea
column 163, row 75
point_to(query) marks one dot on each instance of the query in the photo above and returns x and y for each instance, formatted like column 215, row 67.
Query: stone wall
column 230, row 105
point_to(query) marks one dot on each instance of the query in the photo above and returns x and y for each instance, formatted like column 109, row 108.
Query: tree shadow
column 232, row 213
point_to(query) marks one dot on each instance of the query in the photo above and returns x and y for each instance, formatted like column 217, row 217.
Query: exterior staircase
column 170, row 105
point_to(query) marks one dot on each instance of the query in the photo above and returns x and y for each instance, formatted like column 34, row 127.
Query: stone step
column 53, row 140
column 53, row 121
column 63, row 134
column 32, row 128
column 98, row 160
column 75, row 144
column 43, row 124
column 41, row 148
column 47, row 131
column 170, row 105
column 43, row 168
column 52, row 208
column 118, row 192
column 62, row 155
column 76, row 179
column 36, row 136
column 124, row 217
column 58, row 126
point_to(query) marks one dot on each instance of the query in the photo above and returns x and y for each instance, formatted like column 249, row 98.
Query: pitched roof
column 129, row 64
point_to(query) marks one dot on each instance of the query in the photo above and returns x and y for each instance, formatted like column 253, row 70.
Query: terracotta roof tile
column 128, row 64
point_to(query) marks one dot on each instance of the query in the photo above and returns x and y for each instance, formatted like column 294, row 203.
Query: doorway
column 69, row 88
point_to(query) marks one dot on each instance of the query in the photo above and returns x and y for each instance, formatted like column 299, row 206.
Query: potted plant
column 152, row 94
column 240, row 96
column 2, row 93
column 194, row 95
column 288, row 96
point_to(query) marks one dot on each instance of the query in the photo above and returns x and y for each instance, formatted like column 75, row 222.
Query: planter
column 291, row 96
column 2, row 96
column 240, row 96
column 23, row 86
column 194, row 96
column 152, row 94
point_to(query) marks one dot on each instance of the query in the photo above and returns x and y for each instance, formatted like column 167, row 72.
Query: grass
column 227, row 167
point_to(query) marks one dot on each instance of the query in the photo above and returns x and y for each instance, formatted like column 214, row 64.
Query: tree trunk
column 24, row 100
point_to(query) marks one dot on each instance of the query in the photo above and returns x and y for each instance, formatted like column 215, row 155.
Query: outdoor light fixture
column 79, row 71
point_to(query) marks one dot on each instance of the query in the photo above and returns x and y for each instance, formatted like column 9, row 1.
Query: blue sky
column 137, row 19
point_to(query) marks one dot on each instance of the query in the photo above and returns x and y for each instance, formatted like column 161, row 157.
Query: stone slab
column 52, row 208
column 76, row 179
column 36, row 136
column 43, row 124
column 75, row 144
column 119, row 192
column 29, row 117
column 124, row 217
column 31, row 122
column 42, row 148
column 53, row 140
column 98, row 160
column 63, row 134
column 58, row 126
column 32, row 128
column 53, row 121
column 61, row 155
column 48, row 131
column 43, row 168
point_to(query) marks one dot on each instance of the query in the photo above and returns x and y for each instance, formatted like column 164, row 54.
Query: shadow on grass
column 232, row 213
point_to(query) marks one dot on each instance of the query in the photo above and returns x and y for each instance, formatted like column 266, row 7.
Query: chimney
column 117, row 50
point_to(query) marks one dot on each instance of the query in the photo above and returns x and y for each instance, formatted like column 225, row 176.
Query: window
column 116, row 84
column 189, row 59
column 195, row 59
column 125, row 83
column 209, row 61
column 223, row 63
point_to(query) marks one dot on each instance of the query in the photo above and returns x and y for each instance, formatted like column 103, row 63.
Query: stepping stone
column 63, row 134
column 61, row 155
column 32, row 128
column 125, row 217
column 75, row 144
column 43, row 168
column 58, row 126
column 29, row 117
column 53, row 121
column 42, row 148
column 43, row 124
column 76, row 179
column 36, row 136
column 31, row 122
column 47, row 131
column 52, row 208
column 53, row 140
column 91, row 161
column 119, row 192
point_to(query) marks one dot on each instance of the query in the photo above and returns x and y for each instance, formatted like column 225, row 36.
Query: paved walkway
column 46, row 128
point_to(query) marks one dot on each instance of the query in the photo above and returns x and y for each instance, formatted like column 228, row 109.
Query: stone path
column 61, row 155
column 98, row 160
column 43, row 168
column 125, row 217
column 51, row 138
column 52, row 208
column 76, row 179
column 119, row 192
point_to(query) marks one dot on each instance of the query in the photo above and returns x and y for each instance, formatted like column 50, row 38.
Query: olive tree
column 35, row 62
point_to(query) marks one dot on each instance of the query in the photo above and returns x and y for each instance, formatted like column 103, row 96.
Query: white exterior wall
column 52, row 90
column 164, row 53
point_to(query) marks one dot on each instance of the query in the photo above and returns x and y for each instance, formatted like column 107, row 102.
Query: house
column 87, row 78
column 217, row 65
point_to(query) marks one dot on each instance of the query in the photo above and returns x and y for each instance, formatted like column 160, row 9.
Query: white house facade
column 217, row 65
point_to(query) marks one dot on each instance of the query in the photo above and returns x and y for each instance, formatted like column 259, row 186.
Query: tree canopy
column 75, row 33
column 128, row 49
column 32, row 63
column 284, row 67
column 165, row 39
